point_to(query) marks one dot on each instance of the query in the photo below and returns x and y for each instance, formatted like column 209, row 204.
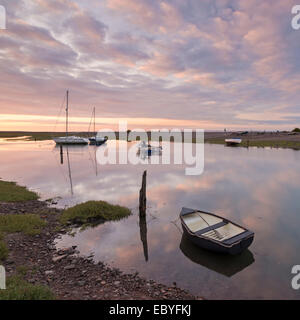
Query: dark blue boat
column 215, row 233
column 97, row 141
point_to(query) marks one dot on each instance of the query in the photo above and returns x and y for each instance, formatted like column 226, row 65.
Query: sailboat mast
column 67, row 114
column 95, row 121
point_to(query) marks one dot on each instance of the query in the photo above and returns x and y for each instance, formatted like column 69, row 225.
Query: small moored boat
column 71, row 140
column 97, row 139
column 233, row 142
column 214, row 233
column 143, row 147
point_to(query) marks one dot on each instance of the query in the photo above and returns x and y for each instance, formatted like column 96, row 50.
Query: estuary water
column 255, row 187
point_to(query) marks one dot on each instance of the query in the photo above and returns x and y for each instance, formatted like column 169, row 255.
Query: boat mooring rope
column 174, row 222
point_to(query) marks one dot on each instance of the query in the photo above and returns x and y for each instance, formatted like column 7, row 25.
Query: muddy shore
column 69, row 276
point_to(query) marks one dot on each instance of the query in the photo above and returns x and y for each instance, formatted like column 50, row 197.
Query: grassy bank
column 19, row 289
column 11, row 192
column 3, row 249
column 93, row 212
column 29, row 224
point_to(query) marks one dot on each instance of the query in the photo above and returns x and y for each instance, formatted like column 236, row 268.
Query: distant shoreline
column 282, row 139
column 258, row 139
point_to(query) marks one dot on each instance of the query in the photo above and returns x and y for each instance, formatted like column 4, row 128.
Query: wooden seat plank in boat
column 213, row 227
column 197, row 221
column 224, row 232
column 238, row 237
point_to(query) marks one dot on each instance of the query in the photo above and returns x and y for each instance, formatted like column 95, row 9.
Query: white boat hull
column 71, row 140
column 233, row 141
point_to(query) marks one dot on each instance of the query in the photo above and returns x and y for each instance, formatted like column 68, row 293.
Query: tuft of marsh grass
column 92, row 211
column 19, row 289
column 22, row 270
column 29, row 224
column 3, row 249
column 11, row 192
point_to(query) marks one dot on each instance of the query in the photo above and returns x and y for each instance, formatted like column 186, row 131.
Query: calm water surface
column 258, row 188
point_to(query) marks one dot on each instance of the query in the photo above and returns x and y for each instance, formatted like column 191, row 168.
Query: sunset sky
column 210, row 64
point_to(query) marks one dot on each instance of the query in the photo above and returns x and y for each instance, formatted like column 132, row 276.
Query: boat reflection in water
column 67, row 150
column 145, row 151
column 71, row 160
column 223, row 264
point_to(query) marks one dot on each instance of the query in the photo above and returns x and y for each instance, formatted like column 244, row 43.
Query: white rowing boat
column 212, row 232
column 232, row 142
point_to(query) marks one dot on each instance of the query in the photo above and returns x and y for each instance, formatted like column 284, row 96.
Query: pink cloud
column 162, row 17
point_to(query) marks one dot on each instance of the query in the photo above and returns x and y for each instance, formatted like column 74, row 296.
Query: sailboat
column 96, row 139
column 70, row 139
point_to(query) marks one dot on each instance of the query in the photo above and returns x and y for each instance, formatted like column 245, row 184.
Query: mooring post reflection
column 61, row 155
column 70, row 172
column 143, row 216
